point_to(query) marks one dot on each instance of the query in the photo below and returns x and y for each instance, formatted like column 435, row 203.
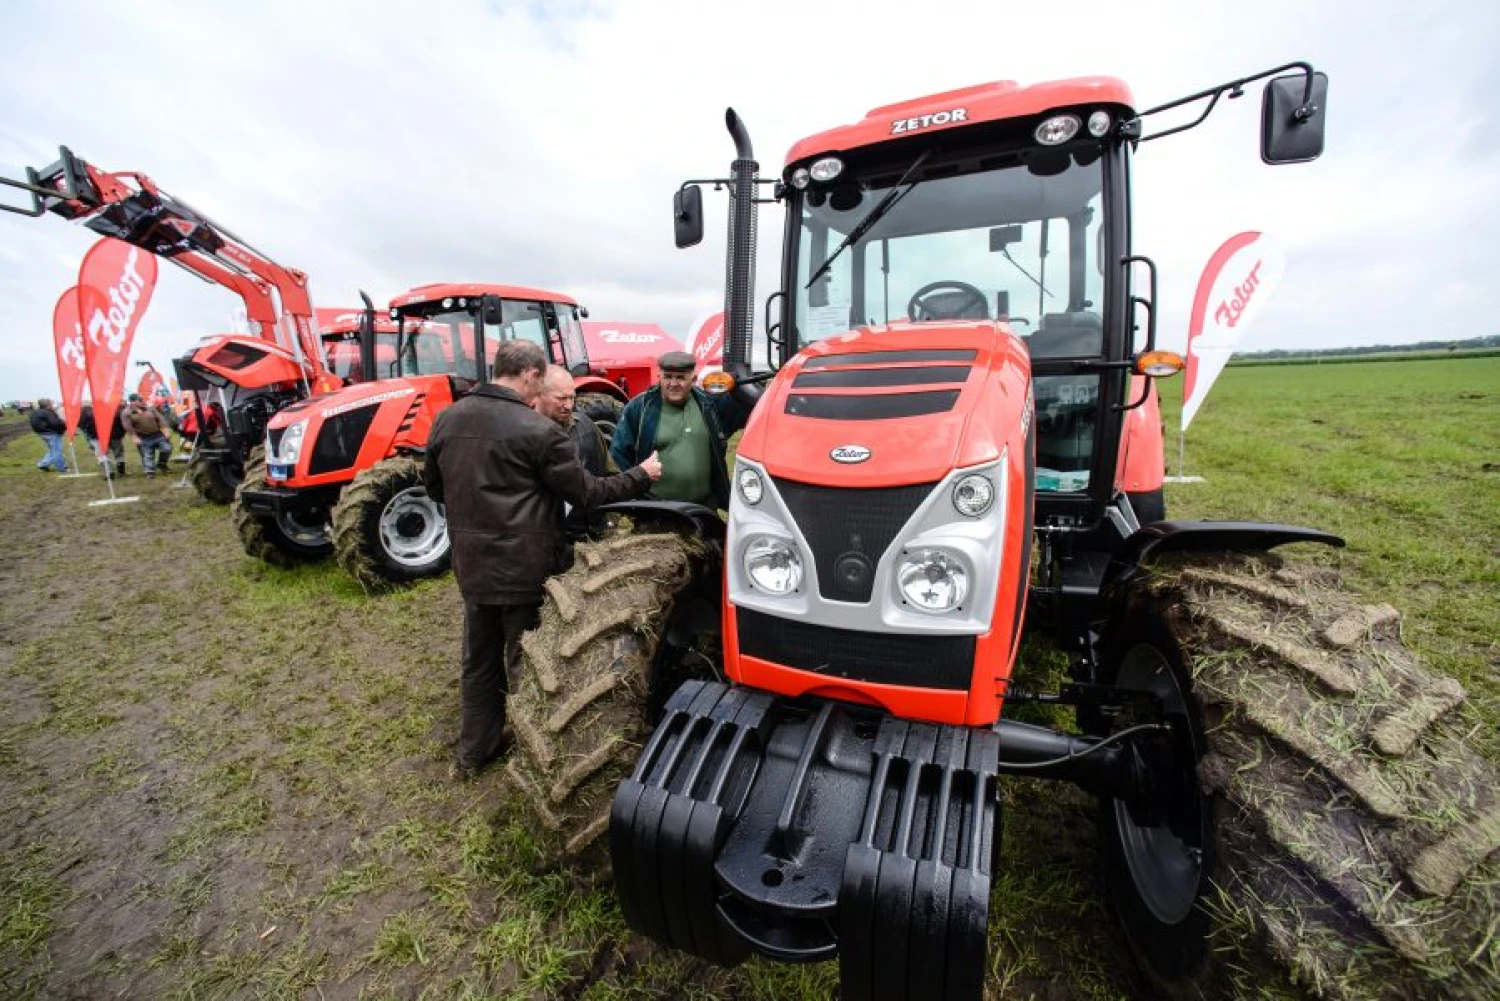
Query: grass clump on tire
column 374, row 541
column 580, row 709
column 263, row 538
column 1354, row 826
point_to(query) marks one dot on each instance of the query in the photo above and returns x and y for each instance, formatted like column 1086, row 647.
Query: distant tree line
column 1424, row 347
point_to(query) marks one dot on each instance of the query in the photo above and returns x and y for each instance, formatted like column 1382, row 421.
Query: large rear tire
column 1338, row 817
column 386, row 530
column 605, row 411
column 580, row 711
column 281, row 541
column 215, row 480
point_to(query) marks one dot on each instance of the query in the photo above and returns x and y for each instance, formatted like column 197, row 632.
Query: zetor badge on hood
column 849, row 453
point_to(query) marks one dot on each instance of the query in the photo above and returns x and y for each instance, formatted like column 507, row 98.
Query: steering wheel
column 969, row 304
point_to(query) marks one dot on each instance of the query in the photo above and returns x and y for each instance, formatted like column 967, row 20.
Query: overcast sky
column 382, row 145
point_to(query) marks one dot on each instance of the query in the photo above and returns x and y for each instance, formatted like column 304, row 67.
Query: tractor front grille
column 848, row 530
column 882, row 658
column 339, row 440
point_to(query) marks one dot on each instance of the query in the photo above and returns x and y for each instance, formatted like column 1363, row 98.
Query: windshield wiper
column 1005, row 252
column 862, row 227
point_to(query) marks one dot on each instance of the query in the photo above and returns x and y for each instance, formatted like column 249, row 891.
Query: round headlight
column 932, row 580
column 973, row 495
column 800, row 178
column 1057, row 129
column 751, row 487
column 395, row 313
column 773, row 565
column 827, row 168
column 447, row 303
column 1099, row 123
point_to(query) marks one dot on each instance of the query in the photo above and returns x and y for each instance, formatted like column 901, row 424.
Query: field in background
column 226, row 780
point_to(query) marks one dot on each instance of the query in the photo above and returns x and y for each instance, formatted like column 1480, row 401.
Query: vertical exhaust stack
column 739, row 278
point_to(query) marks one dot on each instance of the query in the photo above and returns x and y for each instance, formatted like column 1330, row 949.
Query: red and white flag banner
column 149, row 384
column 706, row 344
column 1239, row 279
column 115, row 283
column 72, row 373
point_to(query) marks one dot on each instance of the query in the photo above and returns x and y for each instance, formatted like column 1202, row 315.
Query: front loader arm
column 129, row 206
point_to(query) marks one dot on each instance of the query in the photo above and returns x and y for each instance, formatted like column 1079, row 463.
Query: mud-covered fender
column 678, row 516
column 1151, row 541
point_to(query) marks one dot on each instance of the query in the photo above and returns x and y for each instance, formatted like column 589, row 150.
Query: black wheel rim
column 1165, row 861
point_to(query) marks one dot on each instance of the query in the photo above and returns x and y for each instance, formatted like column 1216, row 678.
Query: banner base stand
column 74, row 476
column 1185, row 479
column 113, row 500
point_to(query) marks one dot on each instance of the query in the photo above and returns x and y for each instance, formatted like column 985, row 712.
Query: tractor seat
column 1067, row 335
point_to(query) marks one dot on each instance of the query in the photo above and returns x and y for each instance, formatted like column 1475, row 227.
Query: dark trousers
column 492, row 660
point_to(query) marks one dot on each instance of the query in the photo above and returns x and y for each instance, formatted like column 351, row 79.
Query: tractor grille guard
column 801, row 830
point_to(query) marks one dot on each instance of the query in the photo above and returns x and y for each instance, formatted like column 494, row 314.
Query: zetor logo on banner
column 1234, row 287
column 115, row 283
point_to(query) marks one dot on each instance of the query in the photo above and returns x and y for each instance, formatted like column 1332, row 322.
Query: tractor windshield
column 438, row 343
column 1019, row 242
column 343, row 354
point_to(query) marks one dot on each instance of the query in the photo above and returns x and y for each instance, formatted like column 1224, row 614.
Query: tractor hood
column 343, row 401
column 903, row 403
column 238, row 360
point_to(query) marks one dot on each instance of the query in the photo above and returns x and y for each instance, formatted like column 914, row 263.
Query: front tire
column 215, row 480
column 387, row 530
column 282, row 541
column 580, row 711
column 1346, row 829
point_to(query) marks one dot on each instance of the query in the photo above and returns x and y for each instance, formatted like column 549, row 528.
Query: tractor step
column 804, row 829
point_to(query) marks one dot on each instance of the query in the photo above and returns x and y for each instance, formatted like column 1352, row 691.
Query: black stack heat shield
column 739, row 271
column 806, row 829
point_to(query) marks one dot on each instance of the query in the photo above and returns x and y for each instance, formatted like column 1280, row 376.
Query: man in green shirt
column 688, row 429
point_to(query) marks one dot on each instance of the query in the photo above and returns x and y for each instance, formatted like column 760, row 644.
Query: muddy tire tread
column 1359, row 828
column 579, row 709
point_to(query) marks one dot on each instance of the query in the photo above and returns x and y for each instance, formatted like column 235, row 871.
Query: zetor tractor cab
column 342, row 473
column 829, row 786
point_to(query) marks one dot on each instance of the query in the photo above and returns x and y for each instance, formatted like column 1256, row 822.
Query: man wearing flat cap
column 688, row 429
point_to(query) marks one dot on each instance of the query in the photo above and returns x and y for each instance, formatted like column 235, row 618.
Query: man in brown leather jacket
column 504, row 472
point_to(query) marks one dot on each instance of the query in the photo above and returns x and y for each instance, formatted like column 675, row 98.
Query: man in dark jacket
column 116, row 438
column 49, row 427
column 504, row 473
column 555, row 402
column 690, row 428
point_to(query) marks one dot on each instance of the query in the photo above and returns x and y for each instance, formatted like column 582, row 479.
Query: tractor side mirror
column 1292, row 119
column 490, row 312
column 687, row 215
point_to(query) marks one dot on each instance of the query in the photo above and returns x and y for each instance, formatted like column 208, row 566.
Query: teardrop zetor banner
column 707, row 343
column 115, row 283
column 72, row 374
column 1234, row 287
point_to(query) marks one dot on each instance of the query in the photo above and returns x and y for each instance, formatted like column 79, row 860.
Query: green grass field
column 225, row 780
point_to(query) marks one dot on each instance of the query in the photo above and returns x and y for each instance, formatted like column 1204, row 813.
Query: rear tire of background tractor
column 603, row 410
column 279, row 543
column 1346, row 829
column 580, row 709
column 386, row 530
column 213, row 480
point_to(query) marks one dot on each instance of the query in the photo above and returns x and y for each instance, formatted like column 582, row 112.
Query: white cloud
column 383, row 145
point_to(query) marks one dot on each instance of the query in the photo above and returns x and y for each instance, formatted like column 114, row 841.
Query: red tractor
column 816, row 692
column 238, row 380
column 342, row 473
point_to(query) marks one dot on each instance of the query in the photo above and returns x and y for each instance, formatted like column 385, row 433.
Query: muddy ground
column 225, row 780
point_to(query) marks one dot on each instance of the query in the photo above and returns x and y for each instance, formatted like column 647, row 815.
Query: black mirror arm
column 1131, row 128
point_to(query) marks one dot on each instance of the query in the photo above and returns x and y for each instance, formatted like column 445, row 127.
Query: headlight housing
column 773, row 565
column 752, row 488
column 973, row 495
column 932, row 580
column 291, row 444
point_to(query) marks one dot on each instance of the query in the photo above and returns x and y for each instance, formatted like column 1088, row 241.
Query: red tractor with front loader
column 237, row 380
column 342, row 473
column 787, row 735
